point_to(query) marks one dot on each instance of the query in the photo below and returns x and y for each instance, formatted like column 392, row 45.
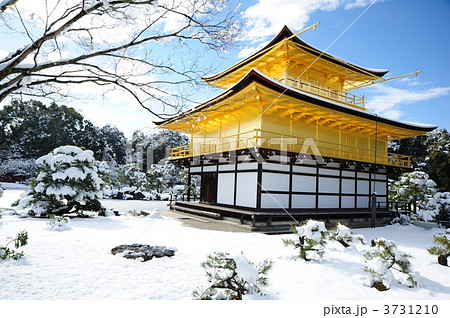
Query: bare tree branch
column 129, row 45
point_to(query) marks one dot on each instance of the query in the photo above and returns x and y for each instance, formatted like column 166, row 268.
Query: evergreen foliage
column 412, row 186
column 154, row 148
column 58, row 223
column 29, row 130
column 438, row 159
column 232, row 277
column 441, row 248
column 430, row 154
column 67, row 181
column 129, row 175
column 20, row 240
column 383, row 259
column 312, row 240
column 342, row 234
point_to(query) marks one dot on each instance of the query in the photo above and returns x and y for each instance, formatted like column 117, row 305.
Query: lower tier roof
column 257, row 93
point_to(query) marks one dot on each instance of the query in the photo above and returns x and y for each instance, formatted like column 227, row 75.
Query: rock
column 144, row 251
column 380, row 286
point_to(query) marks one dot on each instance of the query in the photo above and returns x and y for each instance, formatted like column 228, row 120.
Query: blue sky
column 403, row 36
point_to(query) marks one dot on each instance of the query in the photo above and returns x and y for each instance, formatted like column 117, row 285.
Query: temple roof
column 295, row 101
column 299, row 51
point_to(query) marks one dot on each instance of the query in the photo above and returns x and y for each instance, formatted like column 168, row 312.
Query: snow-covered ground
column 78, row 264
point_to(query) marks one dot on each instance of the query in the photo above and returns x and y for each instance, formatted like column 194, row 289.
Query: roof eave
column 256, row 76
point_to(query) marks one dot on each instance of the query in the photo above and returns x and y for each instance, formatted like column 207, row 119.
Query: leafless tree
column 137, row 46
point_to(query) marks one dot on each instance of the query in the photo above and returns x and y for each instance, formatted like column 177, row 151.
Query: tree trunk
column 442, row 259
column 343, row 243
column 380, row 286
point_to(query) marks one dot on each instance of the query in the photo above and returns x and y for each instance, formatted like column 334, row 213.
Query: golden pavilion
column 286, row 139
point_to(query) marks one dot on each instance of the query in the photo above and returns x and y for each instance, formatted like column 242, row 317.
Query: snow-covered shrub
column 441, row 248
column 382, row 260
column 402, row 219
column 158, row 177
column 67, row 181
column 107, row 171
column 436, row 208
column 20, row 240
column 415, row 185
column 58, row 223
column 232, row 277
column 344, row 235
column 312, row 236
column 129, row 175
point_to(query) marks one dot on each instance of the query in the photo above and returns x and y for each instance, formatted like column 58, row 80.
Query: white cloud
column 360, row 3
column 387, row 101
column 267, row 17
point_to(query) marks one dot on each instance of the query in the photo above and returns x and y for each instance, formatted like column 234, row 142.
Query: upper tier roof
column 299, row 52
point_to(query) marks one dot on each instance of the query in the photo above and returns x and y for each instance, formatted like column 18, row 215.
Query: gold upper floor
column 287, row 56
column 291, row 90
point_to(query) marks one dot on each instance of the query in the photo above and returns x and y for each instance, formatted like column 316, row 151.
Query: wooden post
column 373, row 215
column 189, row 181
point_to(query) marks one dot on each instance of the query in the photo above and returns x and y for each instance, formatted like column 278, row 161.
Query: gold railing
column 320, row 89
column 263, row 139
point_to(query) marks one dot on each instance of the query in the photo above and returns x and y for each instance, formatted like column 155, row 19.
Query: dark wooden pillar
column 373, row 214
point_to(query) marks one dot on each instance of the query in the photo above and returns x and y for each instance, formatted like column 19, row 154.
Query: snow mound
column 312, row 230
column 245, row 270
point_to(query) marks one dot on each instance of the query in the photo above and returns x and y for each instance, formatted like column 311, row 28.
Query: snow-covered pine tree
column 344, row 235
column 67, row 181
column 415, row 185
column 382, row 260
column 441, row 248
column 437, row 208
column 232, row 277
column 20, row 240
column 313, row 237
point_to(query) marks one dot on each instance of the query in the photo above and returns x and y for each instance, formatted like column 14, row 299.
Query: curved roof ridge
column 286, row 33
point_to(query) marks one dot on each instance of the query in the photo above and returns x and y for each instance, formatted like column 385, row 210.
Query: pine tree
column 344, row 235
column 313, row 237
column 383, row 259
column 232, row 277
column 20, row 240
column 67, row 181
column 441, row 248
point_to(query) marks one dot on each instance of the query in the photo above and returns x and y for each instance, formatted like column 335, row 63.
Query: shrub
column 382, row 260
column 441, row 248
column 231, row 277
column 436, row 208
column 58, row 223
column 312, row 240
column 402, row 219
column 344, row 235
column 20, row 240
